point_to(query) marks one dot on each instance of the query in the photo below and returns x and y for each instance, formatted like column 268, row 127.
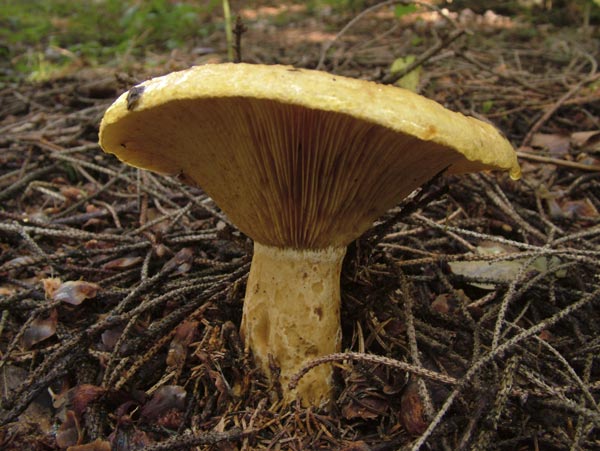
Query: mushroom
column 303, row 162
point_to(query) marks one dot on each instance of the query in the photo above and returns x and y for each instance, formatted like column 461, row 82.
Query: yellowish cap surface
column 296, row 158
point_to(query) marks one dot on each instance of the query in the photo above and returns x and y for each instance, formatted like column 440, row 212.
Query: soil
column 470, row 312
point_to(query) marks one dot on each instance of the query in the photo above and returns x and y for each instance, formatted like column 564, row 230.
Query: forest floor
column 121, row 291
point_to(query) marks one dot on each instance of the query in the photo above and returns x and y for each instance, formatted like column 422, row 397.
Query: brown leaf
column 159, row 227
column 356, row 446
column 72, row 193
column 94, row 223
column 367, row 407
column 161, row 250
column 95, row 244
column 69, row 433
column 7, row 291
column 96, row 445
column 91, row 208
column 395, row 327
column 546, row 335
column 164, row 399
column 588, row 160
column 220, row 383
column 127, row 438
column 123, row 263
column 446, row 303
column 82, row 395
column 37, row 413
column 170, row 420
column 177, row 354
column 589, row 141
column 39, row 330
column 184, row 335
column 110, row 337
column 74, row 292
column 574, row 208
column 50, row 284
column 181, row 262
column 556, row 145
column 412, row 410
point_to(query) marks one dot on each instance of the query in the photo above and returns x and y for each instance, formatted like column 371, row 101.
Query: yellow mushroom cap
column 296, row 158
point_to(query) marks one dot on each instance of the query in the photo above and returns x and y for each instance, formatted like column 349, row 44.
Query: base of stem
column 292, row 315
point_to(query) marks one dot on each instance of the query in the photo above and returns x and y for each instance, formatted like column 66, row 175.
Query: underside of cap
column 296, row 158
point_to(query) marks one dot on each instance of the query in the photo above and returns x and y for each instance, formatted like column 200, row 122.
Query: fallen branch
column 186, row 441
column 550, row 112
column 349, row 25
column 370, row 358
column 558, row 161
column 393, row 77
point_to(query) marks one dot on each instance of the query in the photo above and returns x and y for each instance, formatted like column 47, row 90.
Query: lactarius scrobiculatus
column 302, row 162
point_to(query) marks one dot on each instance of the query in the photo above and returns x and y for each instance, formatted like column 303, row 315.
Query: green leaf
column 502, row 270
column 403, row 10
column 416, row 40
column 411, row 80
column 487, row 106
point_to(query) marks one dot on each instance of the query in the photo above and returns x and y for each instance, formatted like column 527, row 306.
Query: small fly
column 133, row 97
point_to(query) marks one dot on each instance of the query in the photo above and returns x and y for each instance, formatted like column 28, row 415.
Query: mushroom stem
column 292, row 313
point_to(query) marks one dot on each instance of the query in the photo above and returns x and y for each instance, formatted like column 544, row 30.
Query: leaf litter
column 121, row 292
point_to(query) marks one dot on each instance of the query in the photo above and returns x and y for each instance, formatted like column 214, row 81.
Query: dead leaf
column 588, row 160
column 50, row 284
column 589, row 141
column 161, row 250
column 164, row 399
column 501, row 270
column 80, row 396
column 123, row 263
column 412, row 410
column 181, row 262
column 74, row 292
column 95, row 244
column 96, row 445
column 365, row 408
column 69, row 433
column 356, row 446
column 128, row 438
column 40, row 330
column 184, row 335
column 94, row 223
column 159, row 227
column 7, row 291
column 447, row 304
column 72, row 193
column 91, row 208
column 556, row 145
column 171, row 420
column 37, row 413
column 578, row 208
column 546, row 335
column 110, row 337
